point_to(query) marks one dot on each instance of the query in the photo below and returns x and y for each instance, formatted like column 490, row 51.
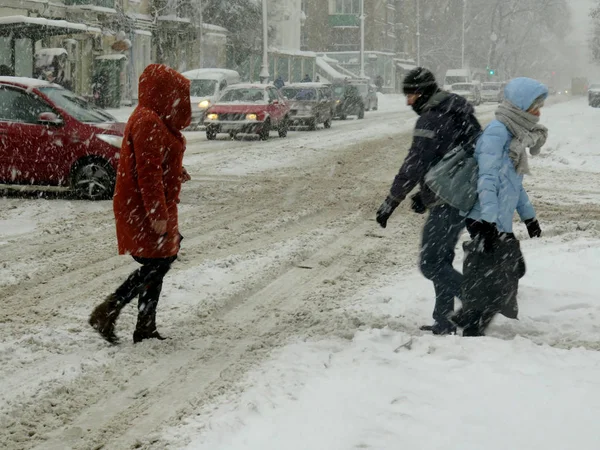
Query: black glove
column 533, row 228
column 490, row 235
column 385, row 211
column 417, row 204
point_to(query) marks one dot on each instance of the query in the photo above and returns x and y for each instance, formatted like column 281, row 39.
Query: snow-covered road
column 293, row 318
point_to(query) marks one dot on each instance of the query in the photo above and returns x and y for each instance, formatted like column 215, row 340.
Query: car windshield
column 202, row 88
column 462, row 87
column 248, row 95
column 491, row 87
column 78, row 107
column 299, row 93
column 338, row 91
column 454, row 80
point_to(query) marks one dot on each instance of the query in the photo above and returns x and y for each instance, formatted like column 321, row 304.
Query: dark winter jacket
column 279, row 83
column 446, row 121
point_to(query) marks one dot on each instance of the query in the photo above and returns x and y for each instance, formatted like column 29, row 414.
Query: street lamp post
column 264, row 71
column 362, row 38
column 418, row 33
column 464, row 17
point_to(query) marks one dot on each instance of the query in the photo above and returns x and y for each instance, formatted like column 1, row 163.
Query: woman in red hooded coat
column 149, row 180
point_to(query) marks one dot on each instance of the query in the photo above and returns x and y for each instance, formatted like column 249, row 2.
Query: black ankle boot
column 146, row 329
column 104, row 317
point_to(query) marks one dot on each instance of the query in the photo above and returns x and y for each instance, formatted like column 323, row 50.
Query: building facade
column 127, row 36
column 333, row 27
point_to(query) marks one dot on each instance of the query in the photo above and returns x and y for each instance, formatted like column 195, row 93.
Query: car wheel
column 283, row 128
column 361, row 113
column 265, row 131
column 93, row 179
column 375, row 107
column 312, row 124
column 327, row 123
column 211, row 133
column 343, row 116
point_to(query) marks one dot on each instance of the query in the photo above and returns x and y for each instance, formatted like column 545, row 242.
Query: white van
column 206, row 88
column 456, row 76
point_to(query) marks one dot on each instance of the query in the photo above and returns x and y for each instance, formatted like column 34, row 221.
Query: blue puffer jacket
column 500, row 188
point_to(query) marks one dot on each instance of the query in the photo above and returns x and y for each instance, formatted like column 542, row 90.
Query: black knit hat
column 419, row 81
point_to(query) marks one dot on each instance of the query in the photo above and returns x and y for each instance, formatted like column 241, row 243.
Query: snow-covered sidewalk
column 531, row 384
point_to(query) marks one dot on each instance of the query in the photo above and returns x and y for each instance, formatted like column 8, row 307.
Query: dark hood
column 448, row 103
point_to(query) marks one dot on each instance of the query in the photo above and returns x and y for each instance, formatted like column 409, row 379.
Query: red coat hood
column 167, row 93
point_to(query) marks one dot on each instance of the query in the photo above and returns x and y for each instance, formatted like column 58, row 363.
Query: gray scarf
column 527, row 133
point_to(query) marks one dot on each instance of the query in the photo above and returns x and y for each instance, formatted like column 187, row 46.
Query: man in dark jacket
column 446, row 120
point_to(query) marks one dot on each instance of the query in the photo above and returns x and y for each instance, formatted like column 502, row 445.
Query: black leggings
column 145, row 282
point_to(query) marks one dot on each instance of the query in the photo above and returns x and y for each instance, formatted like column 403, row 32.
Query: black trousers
column 146, row 282
column 441, row 233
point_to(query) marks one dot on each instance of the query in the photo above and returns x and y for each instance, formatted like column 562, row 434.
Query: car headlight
column 111, row 139
column 204, row 104
column 251, row 117
column 212, row 116
column 337, row 101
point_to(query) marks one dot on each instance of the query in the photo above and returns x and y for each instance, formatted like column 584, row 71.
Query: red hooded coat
column 150, row 166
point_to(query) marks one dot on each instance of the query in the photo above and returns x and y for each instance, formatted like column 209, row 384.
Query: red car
column 50, row 136
column 248, row 108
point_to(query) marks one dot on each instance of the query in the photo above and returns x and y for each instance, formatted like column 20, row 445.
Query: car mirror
column 49, row 118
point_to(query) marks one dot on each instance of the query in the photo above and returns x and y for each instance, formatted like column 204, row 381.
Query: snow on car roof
column 249, row 86
column 306, row 85
column 28, row 82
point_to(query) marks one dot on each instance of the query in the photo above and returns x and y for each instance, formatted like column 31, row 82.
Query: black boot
column 104, row 317
column 440, row 328
column 146, row 329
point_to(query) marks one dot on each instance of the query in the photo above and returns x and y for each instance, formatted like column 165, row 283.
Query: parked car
column 470, row 91
column 50, row 136
column 310, row 104
column 248, row 108
column 348, row 100
column 594, row 95
column 492, row 92
column 206, row 87
column 372, row 101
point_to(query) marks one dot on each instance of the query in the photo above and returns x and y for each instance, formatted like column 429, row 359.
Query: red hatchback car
column 248, row 108
column 50, row 136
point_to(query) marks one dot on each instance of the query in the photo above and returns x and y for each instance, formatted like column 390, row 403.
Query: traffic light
column 492, row 72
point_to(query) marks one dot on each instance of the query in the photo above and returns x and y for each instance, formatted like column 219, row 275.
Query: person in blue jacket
column 493, row 261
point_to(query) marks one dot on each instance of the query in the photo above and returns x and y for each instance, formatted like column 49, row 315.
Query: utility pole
column 418, row 33
column 201, row 32
column 362, row 38
column 464, row 20
column 264, row 71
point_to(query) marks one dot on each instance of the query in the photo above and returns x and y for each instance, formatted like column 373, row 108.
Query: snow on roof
column 28, row 82
column 13, row 20
column 173, row 18
column 94, row 8
column 210, row 73
column 249, row 86
column 54, row 51
column 330, row 72
column 211, row 27
column 116, row 56
column 139, row 16
column 313, row 85
column 143, row 32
